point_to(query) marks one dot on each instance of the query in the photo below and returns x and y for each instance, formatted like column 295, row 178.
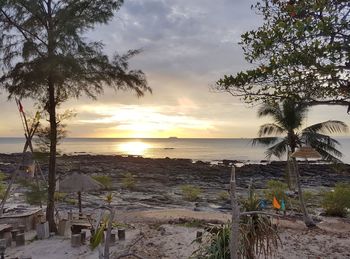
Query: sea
column 204, row 149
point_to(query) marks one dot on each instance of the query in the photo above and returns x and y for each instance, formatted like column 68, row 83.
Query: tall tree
column 301, row 51
column 45, row 56
column 284, row 135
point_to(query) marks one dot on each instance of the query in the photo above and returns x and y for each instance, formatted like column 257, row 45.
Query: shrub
column 128, row 181
column 36, row 195
column 2, row 185
column 105, row 180
column 277, row 189
column 336, row 202
column 224, row 196
column 190, row 192
column 258, row 237
column 60, row 196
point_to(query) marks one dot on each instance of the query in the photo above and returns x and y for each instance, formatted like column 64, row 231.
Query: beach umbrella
column 79, row 183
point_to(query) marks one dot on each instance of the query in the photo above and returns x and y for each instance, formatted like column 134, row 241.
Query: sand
column 158, row 239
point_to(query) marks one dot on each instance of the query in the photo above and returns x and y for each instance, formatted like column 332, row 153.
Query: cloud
column 148, row 121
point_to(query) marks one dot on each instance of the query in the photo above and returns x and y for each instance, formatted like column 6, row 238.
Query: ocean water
column 196, row 149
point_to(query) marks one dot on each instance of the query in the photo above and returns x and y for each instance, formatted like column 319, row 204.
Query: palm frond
column 264, row 141
column 325, row 145
column 270, row 129
column 330, row 126
column 278, row 149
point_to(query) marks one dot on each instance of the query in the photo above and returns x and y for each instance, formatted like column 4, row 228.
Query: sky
column 186, row 47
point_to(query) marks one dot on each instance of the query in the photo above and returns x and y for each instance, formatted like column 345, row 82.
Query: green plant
column 224, row 196
column 258, row 237
column 36, row 194
column 276, row 189
column 337, row 201
column 193, row 223
column 71, row 201
column 3, row 176
column 128, row 181
column 60, row 196
column 2, row 184
column 190, row 192
column 216, row 245
column 105, row 180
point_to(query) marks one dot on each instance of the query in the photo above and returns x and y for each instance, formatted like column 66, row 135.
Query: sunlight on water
column 133, row 148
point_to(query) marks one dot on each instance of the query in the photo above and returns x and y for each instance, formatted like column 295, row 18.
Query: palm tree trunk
column 307, row 219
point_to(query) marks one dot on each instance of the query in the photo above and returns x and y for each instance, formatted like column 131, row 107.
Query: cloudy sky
column 187, row 46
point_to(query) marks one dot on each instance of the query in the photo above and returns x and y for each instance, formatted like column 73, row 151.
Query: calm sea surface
column 196, row 149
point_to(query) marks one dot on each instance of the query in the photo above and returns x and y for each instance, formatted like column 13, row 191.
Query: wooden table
column 78, row 225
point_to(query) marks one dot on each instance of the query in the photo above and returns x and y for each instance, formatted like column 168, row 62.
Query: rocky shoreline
column 158, row 181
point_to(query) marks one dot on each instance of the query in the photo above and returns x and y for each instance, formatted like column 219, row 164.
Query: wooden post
column 79, row 203
column 108, row 234
column 234, row 240
column 121, row 234
column 42, row 230
column 199, row 236
column 76, row 240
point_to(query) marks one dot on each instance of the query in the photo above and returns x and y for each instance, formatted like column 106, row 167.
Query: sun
column 133, row 148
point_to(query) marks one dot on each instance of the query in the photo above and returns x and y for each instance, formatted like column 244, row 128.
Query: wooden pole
column 79, row 203
column 108, row 234
column 234, row 242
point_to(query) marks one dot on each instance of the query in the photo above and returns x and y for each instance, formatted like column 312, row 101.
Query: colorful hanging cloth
column 275, row 203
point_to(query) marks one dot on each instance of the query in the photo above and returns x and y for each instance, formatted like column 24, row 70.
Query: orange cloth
column 276, row 204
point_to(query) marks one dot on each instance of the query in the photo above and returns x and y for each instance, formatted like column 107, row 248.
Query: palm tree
column 284, row 135
column 288, row 119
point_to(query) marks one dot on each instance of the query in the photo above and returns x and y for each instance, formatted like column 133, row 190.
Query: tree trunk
column 234, row 241
column 50, row 210
column 307, row 219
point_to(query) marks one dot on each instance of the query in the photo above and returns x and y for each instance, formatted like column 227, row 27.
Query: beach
column 155, row 208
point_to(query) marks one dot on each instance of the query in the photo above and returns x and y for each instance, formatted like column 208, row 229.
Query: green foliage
column 302, row 51
column 45, row 56
column 190, row 192
column 60, row 196
column 276, row 189
column 2, row 184
column 128, row 181
column 217, row 244
column 224, row 196
column 36, row 194
column 258, row 237
column 43, row 133
column 71, row 201
column 3, row 176
column 97, row 237
column 337, row 202
column 193, row 223
column 109, row 198
column 105, row 180
column 285, row 132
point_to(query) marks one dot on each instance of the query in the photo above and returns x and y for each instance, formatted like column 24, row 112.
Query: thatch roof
column 78, row 182
column 306, row 152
